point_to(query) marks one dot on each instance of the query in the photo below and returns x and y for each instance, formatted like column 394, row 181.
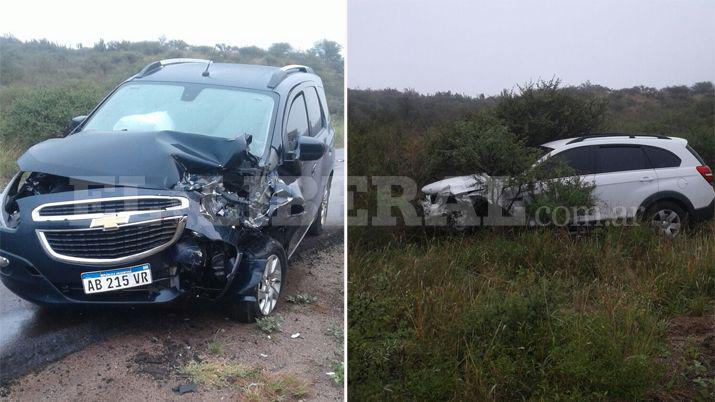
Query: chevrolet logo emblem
column 109, row 222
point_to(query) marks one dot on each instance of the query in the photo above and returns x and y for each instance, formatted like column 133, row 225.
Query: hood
column 156, row 160
column 456, row 185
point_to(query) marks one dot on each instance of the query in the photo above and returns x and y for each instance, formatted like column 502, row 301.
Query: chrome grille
column 96, row 208
column 127, row 242
column 142, row 204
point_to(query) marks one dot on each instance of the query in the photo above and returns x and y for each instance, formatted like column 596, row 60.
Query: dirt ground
column 148, row 362
column 690, row 360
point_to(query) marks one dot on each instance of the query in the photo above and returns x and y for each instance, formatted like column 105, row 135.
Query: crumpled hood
column 156, row 160
column 457, row 185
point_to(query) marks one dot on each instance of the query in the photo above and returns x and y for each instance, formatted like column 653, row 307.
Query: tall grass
column 531, row 314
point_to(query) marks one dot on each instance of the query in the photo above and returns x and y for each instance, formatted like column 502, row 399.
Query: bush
column 543, row 111
column 554, row 194
column 43, row 113
column 479, row 144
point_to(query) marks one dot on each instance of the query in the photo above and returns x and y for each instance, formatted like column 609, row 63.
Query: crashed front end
column 466, row 201
column 182, row 235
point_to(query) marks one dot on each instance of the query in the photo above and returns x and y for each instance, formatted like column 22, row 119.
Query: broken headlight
column 9, row 216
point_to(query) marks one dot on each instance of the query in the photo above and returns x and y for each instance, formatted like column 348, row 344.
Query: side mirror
column 310, row 149
column 76, row 121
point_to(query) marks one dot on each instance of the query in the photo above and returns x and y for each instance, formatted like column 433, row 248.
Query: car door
column 580, row 159
column 319, row 129
column 624, row 179
column 296, row 173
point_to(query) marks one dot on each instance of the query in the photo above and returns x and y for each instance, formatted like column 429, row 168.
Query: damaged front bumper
column 474, row 200
column 187, row 251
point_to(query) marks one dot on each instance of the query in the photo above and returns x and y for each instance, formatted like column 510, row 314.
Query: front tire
column 267, row 292
column 667, row 218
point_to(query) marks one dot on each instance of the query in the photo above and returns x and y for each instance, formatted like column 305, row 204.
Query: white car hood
column 457, row 185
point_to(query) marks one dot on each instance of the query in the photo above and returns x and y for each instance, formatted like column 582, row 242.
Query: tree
column 329, row 51
column 280, row 49
column 479, row 144
column 543, row 112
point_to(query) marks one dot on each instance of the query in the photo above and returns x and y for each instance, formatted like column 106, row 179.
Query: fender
column 663, row 195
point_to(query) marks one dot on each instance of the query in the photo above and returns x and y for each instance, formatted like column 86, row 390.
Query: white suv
column 657, row 178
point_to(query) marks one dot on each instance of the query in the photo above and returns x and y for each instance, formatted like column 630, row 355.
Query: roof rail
column 155, row 66
column 600, row 135
column 281, row 74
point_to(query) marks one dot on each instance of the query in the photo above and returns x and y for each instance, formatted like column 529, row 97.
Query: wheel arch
column 672, row 196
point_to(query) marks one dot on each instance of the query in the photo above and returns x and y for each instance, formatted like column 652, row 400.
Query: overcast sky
column 484, row 46
column 200, row 22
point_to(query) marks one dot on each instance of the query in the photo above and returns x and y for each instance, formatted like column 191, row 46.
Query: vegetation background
column 43, row 85
column 522, row 314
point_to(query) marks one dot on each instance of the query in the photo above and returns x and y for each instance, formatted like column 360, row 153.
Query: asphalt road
column 31, row 336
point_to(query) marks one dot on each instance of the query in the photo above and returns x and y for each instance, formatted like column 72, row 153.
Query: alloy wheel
column 270, row 287
column 667, row 222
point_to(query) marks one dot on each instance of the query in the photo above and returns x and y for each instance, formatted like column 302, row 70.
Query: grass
column 216, row 347
column 278, row 387
column 301, row 298
column 270, row 324
column 218, row 373
column 338, row 368
column 335, row 332
column 255, row 384
column 527, row 314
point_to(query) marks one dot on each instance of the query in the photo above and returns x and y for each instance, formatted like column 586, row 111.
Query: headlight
column 3, row 199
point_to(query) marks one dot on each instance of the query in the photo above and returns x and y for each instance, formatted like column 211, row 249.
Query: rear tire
column 667, row 217
column 268, row 291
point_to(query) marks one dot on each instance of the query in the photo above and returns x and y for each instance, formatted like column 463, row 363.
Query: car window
column 578, row 159
column 620, row 158
column 315, row 112
column 188, row 108
column 661, row 158
column 297, row 124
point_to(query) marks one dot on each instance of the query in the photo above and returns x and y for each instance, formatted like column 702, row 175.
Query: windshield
column 189, row 108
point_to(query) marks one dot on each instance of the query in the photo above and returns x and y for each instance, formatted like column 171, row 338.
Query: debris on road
column 185, row 388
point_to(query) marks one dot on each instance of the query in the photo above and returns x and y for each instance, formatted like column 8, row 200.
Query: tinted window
column 619, row 158
column 315, row 113
column 297, row 124
column 661, row 158
column 578, row 159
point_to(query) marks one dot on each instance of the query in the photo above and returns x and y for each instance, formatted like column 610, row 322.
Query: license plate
column 116, row 279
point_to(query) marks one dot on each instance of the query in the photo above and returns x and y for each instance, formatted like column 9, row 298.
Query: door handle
column 646, row 179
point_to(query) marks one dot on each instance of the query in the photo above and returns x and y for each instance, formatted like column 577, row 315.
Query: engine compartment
column 234, row 209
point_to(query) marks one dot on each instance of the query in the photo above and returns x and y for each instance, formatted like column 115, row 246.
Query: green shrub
column 544, row 111
column 478, row 144
column 43, row 113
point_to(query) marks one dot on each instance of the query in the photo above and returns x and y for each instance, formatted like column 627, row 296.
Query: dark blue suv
column 190, row 178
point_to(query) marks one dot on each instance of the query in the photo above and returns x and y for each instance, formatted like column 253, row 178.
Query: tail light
column 706, row 173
